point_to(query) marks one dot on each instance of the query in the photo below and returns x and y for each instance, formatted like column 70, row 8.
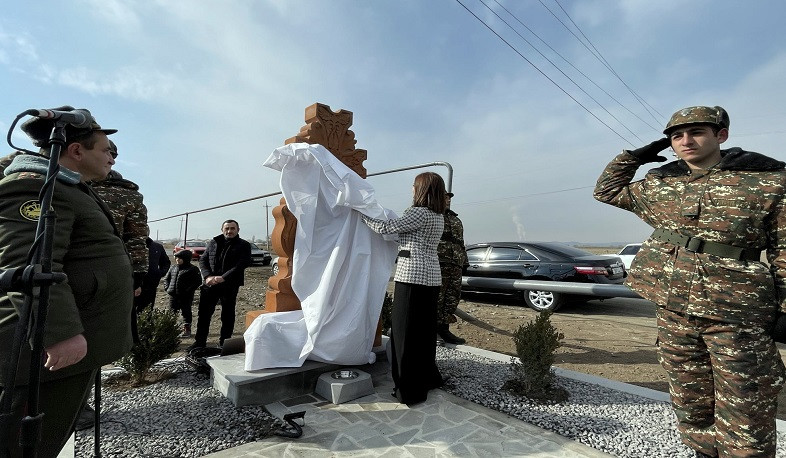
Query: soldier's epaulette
column 31, row 175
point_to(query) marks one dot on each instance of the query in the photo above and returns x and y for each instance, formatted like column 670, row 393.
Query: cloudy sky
column 202, row 92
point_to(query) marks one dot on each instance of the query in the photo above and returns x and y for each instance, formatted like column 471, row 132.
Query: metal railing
column 448, row 186
column 584, row 289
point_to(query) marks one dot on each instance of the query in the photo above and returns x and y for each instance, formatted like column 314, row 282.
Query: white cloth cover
column 340, row 268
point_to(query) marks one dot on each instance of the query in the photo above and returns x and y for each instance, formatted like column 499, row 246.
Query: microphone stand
column 34, row 280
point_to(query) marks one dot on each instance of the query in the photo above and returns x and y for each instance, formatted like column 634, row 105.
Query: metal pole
column 185, row 235
column 267, row 225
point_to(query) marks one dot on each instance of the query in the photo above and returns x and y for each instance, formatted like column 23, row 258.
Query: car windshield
column 195, row 244
column 631, row 249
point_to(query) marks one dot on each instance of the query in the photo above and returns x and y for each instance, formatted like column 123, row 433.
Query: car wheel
column 543, row 301
column 275, row 269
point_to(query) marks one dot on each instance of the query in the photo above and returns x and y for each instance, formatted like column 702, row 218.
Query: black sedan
column 540, row 261
column 260, row 256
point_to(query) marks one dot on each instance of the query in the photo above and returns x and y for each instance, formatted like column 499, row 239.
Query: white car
column 627, row 254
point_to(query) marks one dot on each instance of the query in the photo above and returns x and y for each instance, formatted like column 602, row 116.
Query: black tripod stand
column 34, row 280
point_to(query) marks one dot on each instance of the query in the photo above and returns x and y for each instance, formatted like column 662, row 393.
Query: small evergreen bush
column 159, row 337
column 533, row 377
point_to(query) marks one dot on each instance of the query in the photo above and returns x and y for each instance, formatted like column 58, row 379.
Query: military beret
column 39, row 129
column 716, row 116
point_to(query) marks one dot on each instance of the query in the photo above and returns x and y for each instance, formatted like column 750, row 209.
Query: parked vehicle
column 541, row 261
column 197, row 247
column 628, row 252
column 274, row 266
column 260, row 256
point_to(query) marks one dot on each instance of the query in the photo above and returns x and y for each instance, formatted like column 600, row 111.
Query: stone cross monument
column 331, row 130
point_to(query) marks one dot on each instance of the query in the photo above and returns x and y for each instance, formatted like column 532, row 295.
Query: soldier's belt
column 699, row 245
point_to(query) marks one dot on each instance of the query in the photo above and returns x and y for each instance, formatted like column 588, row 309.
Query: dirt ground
column 612, row 338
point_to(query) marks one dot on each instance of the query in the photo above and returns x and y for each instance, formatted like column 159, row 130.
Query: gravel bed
column 179, row 417
column 185, row 417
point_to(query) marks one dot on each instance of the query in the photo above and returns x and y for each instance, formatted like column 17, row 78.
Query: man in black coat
column 223, row 266
column 158, row 266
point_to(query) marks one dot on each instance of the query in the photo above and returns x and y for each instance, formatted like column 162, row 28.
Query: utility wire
column 560, row 70
column 638, row 97
column 600, row 58
column 575, row 68
column 542, row 73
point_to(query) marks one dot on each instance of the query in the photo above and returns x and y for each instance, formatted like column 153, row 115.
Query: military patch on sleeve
column 30, row 210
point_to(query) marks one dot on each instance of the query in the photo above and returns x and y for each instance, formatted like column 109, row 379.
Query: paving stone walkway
column 378, row 426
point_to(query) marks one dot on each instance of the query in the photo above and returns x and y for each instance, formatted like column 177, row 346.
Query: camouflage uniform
column 5, row 161
column 130, row 215
column 452, row 257
column 714, row 312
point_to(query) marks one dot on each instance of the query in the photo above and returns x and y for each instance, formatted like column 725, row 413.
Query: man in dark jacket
column 88, row 324
column 223, row 267
column 158, row 265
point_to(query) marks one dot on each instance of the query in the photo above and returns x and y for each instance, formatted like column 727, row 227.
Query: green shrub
column 159, row 337
column 533, row 377
column 387, row 314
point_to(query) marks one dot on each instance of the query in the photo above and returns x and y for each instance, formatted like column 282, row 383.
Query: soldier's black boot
column 448, row 336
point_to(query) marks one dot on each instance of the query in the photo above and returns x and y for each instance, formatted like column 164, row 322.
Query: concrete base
column 341, row 390
column 265, row 386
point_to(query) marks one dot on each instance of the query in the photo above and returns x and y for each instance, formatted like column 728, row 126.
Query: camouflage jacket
column 451, row 246
column 130, row 214
column 5, row 161
column 739, row 202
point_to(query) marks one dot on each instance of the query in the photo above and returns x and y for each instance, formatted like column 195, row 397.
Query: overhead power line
column 560, row 70
column 542, row 73
column 576, row 68
column 595, row 52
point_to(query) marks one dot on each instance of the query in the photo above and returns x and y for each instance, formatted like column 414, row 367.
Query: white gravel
column 185, row 417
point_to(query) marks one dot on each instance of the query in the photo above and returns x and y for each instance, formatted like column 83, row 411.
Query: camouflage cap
column 716, row 116
column 113, row 148
column 39, row 129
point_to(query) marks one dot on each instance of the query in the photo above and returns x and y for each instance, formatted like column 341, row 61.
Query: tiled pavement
column 378, row 426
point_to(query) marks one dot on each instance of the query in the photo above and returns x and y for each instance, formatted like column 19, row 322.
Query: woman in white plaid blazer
column 418, row 280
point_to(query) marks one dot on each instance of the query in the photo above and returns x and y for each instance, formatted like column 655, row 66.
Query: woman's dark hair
column 429, row 192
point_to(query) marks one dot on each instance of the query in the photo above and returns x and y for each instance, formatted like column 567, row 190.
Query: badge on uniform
column 30, row 210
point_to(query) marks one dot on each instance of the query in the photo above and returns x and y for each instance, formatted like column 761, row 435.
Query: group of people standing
column 719, row 307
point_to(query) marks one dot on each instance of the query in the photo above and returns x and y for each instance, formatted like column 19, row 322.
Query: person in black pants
column 418, row 280
column 223, row 265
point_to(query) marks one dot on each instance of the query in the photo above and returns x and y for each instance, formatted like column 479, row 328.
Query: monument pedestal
column 264, row 386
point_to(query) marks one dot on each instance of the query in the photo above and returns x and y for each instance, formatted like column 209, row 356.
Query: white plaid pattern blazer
column 419, row 230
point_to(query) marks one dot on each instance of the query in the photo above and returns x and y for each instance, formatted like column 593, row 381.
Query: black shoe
column 194, row 346
column 449, row 337
column 86, row 418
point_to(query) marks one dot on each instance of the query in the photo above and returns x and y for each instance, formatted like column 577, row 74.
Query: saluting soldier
column 452, row 257
column 88, row 322
column 713, row 211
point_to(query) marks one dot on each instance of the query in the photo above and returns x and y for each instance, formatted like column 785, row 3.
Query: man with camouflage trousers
column 452, row 257
column 713, row 211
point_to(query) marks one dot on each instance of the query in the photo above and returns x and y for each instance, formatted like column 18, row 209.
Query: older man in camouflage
column 713, row 211
column 124, row 201
column 452, row 257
